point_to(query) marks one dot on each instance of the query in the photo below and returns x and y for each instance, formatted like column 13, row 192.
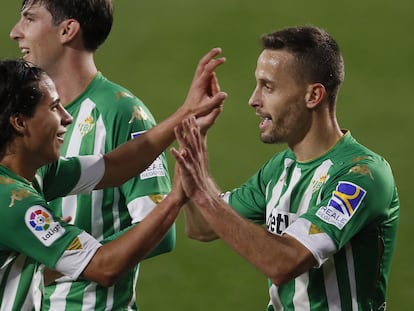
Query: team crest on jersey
column 41, row 223
column 317, row 183
column 343, row 204
column 86, row 126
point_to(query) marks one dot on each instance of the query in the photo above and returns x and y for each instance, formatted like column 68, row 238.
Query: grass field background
column 153, row 50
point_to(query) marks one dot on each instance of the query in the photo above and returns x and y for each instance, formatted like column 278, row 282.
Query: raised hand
column 204, row 94
column 192, row 163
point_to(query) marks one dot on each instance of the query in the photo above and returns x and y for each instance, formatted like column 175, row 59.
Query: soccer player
column 61, row 37
column 318, row 219
column 32, row 129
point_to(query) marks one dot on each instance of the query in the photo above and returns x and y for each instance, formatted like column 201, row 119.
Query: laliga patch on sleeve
column 343, row 204
column 41, row 223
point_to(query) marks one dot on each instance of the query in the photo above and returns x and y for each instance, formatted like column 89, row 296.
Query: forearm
column 120, row 255
column 133, row 157
column 166, row 245
column 196, row 227
column 280, row 258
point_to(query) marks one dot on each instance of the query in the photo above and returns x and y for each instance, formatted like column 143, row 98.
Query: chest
column 293, row 192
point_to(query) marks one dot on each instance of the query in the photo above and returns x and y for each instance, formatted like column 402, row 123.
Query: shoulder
column 112, row 100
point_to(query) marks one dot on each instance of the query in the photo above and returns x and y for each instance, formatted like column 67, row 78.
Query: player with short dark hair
column 320, row 218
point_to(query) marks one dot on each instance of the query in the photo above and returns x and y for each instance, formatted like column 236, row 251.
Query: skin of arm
column 280, row 258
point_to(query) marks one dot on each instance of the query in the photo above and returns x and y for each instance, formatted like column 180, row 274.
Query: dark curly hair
column 19, row 94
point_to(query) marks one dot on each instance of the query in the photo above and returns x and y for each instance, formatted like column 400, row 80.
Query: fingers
column 206, row 67
column 206, row 59
column 211, row 103
column 207, row 121
column 214, row 84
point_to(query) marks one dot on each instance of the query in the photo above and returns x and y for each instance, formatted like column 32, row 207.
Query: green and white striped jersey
column 105, row 116
column 31, row 235
column 344, row 208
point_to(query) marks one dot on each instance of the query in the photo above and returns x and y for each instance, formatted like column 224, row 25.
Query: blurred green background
column 153, row 50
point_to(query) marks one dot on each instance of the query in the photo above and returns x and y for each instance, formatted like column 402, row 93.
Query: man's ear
column 18, row 123
column 69, row 28
column 315, row 94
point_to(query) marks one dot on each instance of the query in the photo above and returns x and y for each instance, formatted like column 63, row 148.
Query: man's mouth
column 24, row 51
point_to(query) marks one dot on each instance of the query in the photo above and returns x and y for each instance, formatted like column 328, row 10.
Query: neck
column 73, row 75
column 18, row 166
column 321, row 137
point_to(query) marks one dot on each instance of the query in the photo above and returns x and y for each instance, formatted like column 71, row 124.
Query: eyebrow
column 26, row 10
column 55, row 102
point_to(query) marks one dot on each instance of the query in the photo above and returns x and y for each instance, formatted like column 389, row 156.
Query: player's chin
column 270, row 138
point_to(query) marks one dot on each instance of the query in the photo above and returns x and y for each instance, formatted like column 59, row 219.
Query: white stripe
column 331, row 285
column 351, row 275
column 97, row 226
column 275, row 298
column 284, row 202
column 69, row 203
column 69, row 206
column 115, row 211
column 139, row 208
column 277, row 189
column 110, row 299
column 96, row 217
column 89, row 297
column 100, row 137
column 57, row 299
column 13, row 280
column 301, row 298
column 319, row 173
column 132, row 302
column 75, row 140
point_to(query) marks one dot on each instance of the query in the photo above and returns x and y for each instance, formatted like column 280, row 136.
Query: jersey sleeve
column 249, row 200
column 353, row 200
column 41, row 236
column 70, row 176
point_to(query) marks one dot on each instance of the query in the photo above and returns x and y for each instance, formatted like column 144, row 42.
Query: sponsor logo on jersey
column 42, row 225
column 343, row 204
column 361, row 169
column 86, row 126
column 138, row 114
column 6, row 180
column 119, row 95
column 156, row 169
column 18, row 195
column 277, row 222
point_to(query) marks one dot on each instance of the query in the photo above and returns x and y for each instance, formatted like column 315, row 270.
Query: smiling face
column 44, row 132
column 279, row 98
column 37, row 36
